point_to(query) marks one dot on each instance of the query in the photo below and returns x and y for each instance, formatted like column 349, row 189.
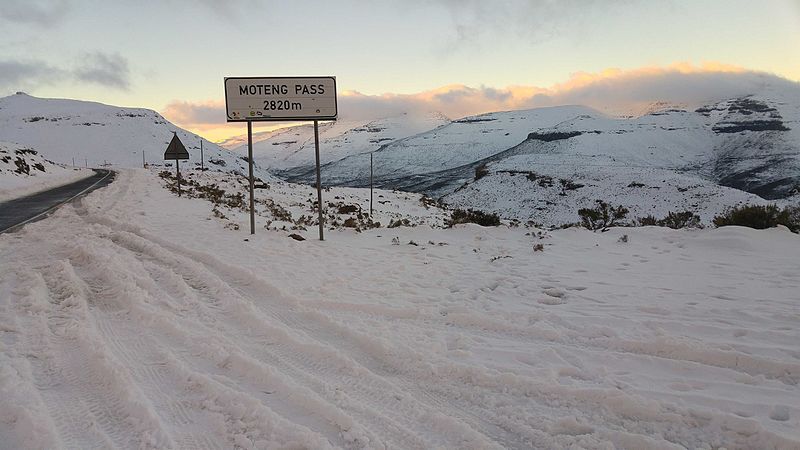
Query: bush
column 22, row 166
column 569, row 185
column 474, row 216
column 602, row 216
column 686, row 219
column 761, row 217
column 481, row 171
column 648, row 221
column 399, row 223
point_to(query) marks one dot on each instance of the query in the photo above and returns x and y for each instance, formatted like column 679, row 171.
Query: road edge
column 12, row 228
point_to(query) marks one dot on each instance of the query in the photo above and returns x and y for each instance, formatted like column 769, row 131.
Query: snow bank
column 23, row 171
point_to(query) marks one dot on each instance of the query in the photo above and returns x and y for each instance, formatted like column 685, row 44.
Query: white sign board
column 280, row 98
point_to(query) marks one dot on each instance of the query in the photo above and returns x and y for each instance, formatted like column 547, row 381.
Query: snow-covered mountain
column 704, row 159
column 93, row 134
column 292, row 148
column 744, row 150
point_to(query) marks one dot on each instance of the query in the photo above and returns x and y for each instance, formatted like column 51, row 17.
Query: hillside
column 24, row 171
column 741, row 150
column 293, row 147
column 93, row 134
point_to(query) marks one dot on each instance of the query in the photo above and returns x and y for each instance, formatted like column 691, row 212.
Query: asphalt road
column 17, row 212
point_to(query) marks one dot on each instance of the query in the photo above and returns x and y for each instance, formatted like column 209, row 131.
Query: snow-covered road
column 131, row 319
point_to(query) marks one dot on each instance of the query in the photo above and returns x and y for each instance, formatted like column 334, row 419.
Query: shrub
column 474, row 216
column 760, row 217
column 348, row 209
column 685, row 219
column 22, row 166
column 648, row 221
column 481, row 171
column 602, row 216
column 399, row 223
column 427, row 202
column 569, row 185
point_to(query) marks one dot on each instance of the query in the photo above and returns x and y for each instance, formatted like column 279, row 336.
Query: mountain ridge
column 94, row 134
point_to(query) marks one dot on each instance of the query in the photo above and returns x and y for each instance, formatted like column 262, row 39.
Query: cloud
column 38, row 12
column 27, row 74
column 614, row 91
column 534, row 20
column 109, row 70
column 200, row 113
column 233, row 12
column 622, row 91
column 206, row 118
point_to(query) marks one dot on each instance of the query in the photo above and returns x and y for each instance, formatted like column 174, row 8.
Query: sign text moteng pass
column 280, row 98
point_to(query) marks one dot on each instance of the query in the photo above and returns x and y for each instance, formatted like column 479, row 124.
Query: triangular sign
column 176, row 150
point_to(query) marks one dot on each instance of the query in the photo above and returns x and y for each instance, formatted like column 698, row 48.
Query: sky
column 459, row 57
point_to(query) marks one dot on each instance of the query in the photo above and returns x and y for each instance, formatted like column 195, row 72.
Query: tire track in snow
column 452, row 409
column 153, row 367
column 616, row 407
column 693, row 352
column 374, row 393
column 91, row 400
column 158, row 382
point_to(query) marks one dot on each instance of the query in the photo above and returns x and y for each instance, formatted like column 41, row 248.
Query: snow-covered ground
column 552, row 193
column 137, row 319
column 23, row 171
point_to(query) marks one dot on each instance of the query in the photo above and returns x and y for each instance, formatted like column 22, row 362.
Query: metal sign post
column 274, row 99
column 370, row 186
column 176, row 150
column 178, row 174
column 252, row 182
column 319, row 181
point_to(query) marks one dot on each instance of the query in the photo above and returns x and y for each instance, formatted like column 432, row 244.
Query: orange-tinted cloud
column 616, row 91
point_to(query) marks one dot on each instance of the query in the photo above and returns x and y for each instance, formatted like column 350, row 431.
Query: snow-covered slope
column 293, row 148
column 96, row 135
column 671, row 160
column 552, row 195
column 449, row 146
column 750, row 143
column 688, row 158
column 24, row 171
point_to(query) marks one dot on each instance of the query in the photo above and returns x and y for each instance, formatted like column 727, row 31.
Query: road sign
column 176, row 150
column 280, row 98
